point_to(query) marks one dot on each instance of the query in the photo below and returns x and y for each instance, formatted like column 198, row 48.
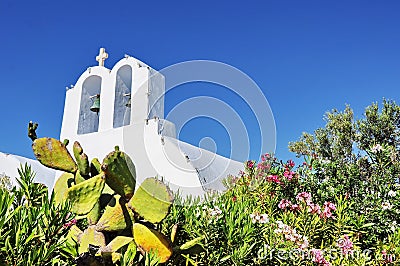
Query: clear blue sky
column 307, row 56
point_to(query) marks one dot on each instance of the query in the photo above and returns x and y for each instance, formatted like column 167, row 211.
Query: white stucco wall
column 9, row 164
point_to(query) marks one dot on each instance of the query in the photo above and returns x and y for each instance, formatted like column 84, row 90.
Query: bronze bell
column 96, row 104
column 128, row 104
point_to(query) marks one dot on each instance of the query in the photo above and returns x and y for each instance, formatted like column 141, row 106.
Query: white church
column 124, row 106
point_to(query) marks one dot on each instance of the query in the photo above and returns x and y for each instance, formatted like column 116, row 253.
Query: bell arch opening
column 88, row 112
column 122, row 102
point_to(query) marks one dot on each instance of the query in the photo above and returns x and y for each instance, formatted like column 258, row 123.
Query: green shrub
column 340, row 207
column 32, row 228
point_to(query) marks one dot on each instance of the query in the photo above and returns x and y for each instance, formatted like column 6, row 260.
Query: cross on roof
column 102, row 56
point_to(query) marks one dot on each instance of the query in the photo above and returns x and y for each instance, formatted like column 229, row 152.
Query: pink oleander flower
column 70, row 223
column 265, row 157
column 304, row 197
column 288, row 174
column 345, row 245
column 290, row 163
column 254, row 217
column 330, row 205
column 314, row 208
column 274, row 179
column 259, row 218
column 326, row 213
column 328, row 208
column 295, row 207
column 264, row 218
column 250, row 164
column 319, row 258
column 284, row 204
column 291, row 235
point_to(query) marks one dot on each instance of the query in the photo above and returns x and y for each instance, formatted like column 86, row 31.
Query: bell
column 128, row 104
column 96, row 104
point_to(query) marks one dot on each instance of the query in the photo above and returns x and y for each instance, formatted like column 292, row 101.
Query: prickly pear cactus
column 94, row 215
column 32, row 130
column 81, row 159
column 120, row 173
column 116, row 216
column 90, row 237
column 104, row 195
column 78, row 177
column 152, row 200
column 54, row 154
column 148, row 239
column 95, row 167
column 85, row 195
column 61, row 186
column 116, row 244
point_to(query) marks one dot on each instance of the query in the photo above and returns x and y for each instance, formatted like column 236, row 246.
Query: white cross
column 102, row 56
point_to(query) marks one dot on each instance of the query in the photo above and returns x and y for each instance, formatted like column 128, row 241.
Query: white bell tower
column 124, row 106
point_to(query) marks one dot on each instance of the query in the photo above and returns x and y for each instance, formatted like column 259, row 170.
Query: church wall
column 145, row 139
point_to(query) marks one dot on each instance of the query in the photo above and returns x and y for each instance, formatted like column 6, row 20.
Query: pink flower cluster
column 274, row 179
column 291, row 235
column 328, row 208
column 250, row 164
column 305, row 197
column 288, row 173
column 265, row 157
column 318, row 257
column 314, row 208
column 259, row 218
column 290, row 163
column 345, row 245
column 263, row 167
column 284, row 204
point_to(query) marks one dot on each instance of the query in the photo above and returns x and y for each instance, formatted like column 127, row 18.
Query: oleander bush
column 32, row 228
column 339, row 206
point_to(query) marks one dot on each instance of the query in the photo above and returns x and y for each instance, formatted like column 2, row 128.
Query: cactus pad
column 78, row 177
column 95, row 167
column 116, row 216
column 53, row 153
column 81, row 159
column 32, row 130
column 94, row 214
column 85, row 195
column 120, row 173
column 90, row 236
column 116, row 244
column 151, row 240
column 152, row 200
column 61, row 186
